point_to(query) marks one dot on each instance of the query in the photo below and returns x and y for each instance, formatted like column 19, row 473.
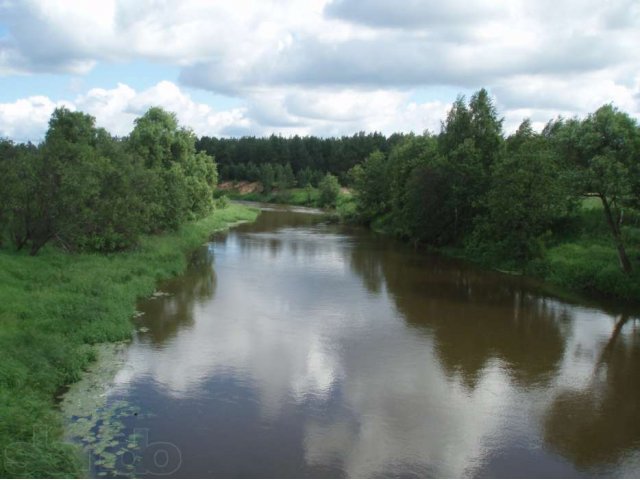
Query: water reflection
column 316, row 350
column 171, row 309
column 474, row 316
column 599, row 423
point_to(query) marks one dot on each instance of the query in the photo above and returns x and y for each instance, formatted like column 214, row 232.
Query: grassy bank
column 294, row 196
column 344, row 211
column 580, row 258
column 585, row 259
column 53, row 308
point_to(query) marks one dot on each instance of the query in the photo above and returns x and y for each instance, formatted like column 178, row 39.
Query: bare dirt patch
column 242, row 187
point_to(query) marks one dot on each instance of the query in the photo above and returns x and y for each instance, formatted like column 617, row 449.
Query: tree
column 529, row 192
column 371, row 181
column 469, row 143
column 428, row 206
column 87, row 190
column 456, row 128
column 408, row 155
column 307, row 176
column 7, row 154
column 267, row 177
column 308, row 189
column 18, row 191
column 287, row 179
column 201, row 178
column 485, row 127
column 603, row 150
column 180, row 182
column 329, row 191
column 65, row 180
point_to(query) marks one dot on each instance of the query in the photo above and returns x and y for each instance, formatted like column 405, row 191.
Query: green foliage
column 470, row 143
column 86, row 190
column 309, row 157
column 329, row 191
column 428, row 214
column 589, row 267
column 221, row 202
column 267, row 176
column 308, row 197
column 307, row 176
column 371, row 181
column 53, row 307
column 409, row 157
column 284, row 177
column 515, row 203
column 486, row 128
column 346, row 208
column 431, row 189
column 180, row 182
column 528, row 195
column 602, row 151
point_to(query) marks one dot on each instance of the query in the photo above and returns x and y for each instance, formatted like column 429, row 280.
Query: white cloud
column 542, row 98
column 116, row 109
column 230, row 46
column 325, row 66
column 285, row 112
column 328, row 112
column 27, row 118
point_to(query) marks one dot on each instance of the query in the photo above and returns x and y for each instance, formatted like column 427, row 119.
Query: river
column 296, row 348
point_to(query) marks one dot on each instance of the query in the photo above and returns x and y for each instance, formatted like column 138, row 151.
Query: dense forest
column 89, row 191
column 284, row 162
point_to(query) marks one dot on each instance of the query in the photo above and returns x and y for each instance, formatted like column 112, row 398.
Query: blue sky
column 137, row 74
column 324, row 67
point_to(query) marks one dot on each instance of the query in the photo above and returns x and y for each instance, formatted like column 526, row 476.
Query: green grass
column 590, row 267
column 580, row 257
column 293, row 196
column 345, row 206
column 585, row 259
column 53, row 308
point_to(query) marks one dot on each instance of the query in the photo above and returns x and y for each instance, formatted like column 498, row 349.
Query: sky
column 313, row 67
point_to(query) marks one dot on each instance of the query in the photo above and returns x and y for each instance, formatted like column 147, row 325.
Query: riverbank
column 583, row 257
column 580, row 259
column 299, row 197
column 53, row 308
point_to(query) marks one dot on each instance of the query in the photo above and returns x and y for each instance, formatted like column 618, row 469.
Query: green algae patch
column 55, row 309
column 89, row 394
column 98, row 424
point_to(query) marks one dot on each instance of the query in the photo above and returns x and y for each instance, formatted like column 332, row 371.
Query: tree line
column 469, row 186
column 87, row 190
column 502, row 198
column 277, row 160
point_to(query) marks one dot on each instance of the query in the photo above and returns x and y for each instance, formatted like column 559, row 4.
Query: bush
column 329, row 191
column 221, row 202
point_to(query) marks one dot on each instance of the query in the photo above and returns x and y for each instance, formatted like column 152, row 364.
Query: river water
column 295, row 348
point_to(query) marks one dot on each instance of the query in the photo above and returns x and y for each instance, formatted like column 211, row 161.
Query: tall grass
column 583, row 257
column 53, row 308
column 580, row 256
column 590, row 268
column 292, row 196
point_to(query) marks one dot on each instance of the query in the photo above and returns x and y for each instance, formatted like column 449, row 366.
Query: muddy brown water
column 295, row 348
